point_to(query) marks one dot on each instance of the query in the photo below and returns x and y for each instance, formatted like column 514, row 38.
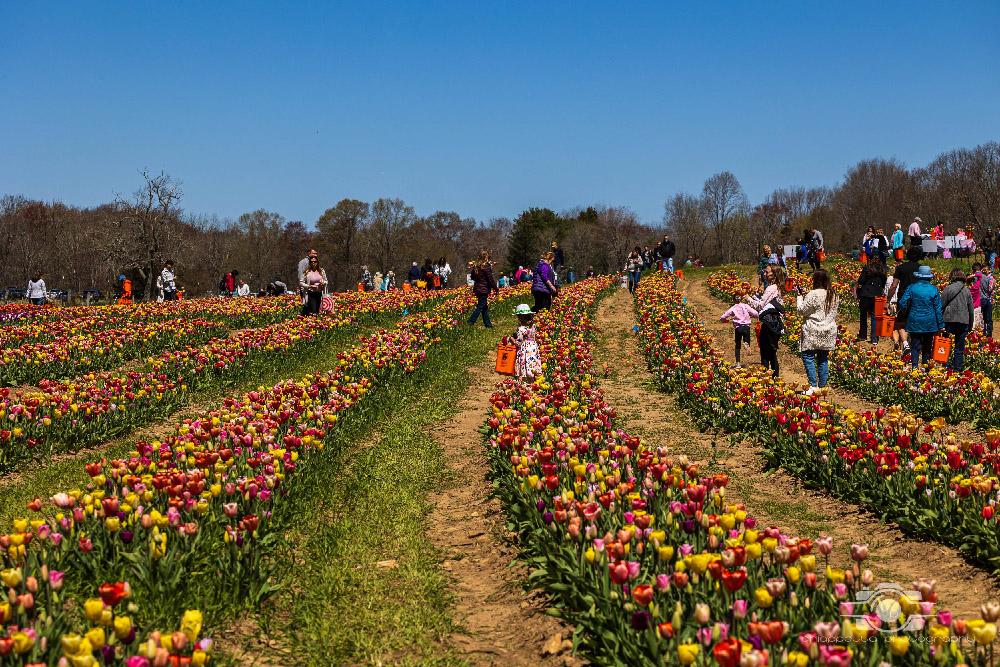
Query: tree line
column 86, row 248
column 960, row 188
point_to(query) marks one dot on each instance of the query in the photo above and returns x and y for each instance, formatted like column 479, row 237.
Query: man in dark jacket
column 558, row 262
column 667, row 250
column 414, row 275
column 988, row 244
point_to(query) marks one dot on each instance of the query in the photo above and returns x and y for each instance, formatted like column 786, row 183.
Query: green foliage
column 533, row 231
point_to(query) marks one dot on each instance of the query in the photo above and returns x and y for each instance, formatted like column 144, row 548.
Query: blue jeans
column 987, row 308
column 809, row 358
column 921, row 345
column 670, row 264
column 481, row 307
column 633, row 280
column 958, row 330
column 991, row 258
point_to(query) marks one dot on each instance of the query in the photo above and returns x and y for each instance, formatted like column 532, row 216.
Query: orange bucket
column 437, row 281
column 884, row 325
column 361, row 287
column 756, row 331
column 942, row 349
column 898, row 252
column 864, row 257
column 879, row 306
column 406, row 287
column 789, row 284
column 820, row 256
column 680, row 274
column 506, row 354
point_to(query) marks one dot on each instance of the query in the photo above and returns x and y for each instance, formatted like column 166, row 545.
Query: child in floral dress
column 528, row 363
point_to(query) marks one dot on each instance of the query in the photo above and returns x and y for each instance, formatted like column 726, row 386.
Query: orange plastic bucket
column 361, row 287
column 820, row 256
column 884, row 325
column 406, row 287
column 942, row 349
column 879, row 306
column 789, row 284
column 437, row 281
column 680, row 274
column 864, row 257
column 506, row 354
column 898, row 252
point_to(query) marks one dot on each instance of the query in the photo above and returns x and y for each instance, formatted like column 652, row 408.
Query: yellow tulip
column 899, row 645
column 191, row 624
column 797, row 659
column 940, row 634
column 11, row 577
column 123, row 626
column 22, row 642
column 688, row 653
column 763, row 598
column 96, row 637
column 93, row 609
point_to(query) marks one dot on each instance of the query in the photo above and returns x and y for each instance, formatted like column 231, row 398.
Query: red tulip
column 643, row 594
column 727, row 652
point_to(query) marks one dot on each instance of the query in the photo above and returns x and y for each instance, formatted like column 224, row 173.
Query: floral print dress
column 528, row 362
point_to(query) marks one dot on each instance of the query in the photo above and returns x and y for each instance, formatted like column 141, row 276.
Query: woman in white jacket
column 36, row 290
column 818, row 309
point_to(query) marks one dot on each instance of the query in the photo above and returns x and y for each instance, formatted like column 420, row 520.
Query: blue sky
column 481, row 108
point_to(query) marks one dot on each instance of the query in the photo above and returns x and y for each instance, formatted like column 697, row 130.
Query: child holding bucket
column 528, row 363
column 740, row 314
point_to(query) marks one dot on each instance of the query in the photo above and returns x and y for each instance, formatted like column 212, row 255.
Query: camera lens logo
column 882, row 608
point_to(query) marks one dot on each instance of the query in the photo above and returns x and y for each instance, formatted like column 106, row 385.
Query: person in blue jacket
column 924, row 316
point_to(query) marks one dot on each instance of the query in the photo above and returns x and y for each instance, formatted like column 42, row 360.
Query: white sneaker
column 738, row 365
column 810, row 391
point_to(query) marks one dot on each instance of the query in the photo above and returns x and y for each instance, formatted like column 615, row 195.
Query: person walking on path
column 921, row 305
column 590, row 272
column 414, row 275
column 902, row 278
column 303, row 265
column 528, row 362
column 975, row 289
column 427, row 274
column 957, row 309
column 442, row 271
column 242, row 289
column 871, row 285
column 816, row 246
column 543, row 285
column 914, row 233
column 740, row 314
column 763, row 262
column 169, row 281
column 770, row 307
column 312, row 281
column 668, row 250
column 558, row 262
column 897, row 238
column 818, row 309
column 482, row 284
column 36, row 290
column 366, row 278
column 988, row 244
column 987, row 286
column 633, row 265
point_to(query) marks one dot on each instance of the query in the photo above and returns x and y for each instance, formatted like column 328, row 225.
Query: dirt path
column 776, row 499
column 504, row 625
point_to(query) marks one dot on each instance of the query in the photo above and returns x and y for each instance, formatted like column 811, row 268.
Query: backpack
column 986, row 286
column 222, row 284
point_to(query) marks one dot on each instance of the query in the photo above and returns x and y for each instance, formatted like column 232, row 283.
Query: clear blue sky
column 481, row 108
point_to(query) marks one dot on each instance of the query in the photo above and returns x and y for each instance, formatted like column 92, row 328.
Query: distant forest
column 84, row 248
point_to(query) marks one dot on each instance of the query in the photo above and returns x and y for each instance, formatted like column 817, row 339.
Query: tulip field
column 156, row 548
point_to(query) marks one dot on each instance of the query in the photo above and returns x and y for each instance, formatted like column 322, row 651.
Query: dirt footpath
column 504, row 625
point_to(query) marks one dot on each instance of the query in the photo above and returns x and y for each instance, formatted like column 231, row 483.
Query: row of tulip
column 649, row 558
column 67, row 415
column 232, row 313
column 916, row 473
column 195, row 518
column 970, row 395
column 99, row 349
column 21, row 330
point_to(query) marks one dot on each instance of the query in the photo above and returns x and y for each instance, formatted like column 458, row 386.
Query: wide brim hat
column 921, row 273
column 524, row 309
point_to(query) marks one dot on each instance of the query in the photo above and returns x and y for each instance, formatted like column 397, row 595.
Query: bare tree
column 261, row 233
column 685, row 221
column 389, row 219
column 724, row 200
column 620, row 229
column 143, row 225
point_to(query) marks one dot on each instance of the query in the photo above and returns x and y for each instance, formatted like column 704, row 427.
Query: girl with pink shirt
column 740, row 314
